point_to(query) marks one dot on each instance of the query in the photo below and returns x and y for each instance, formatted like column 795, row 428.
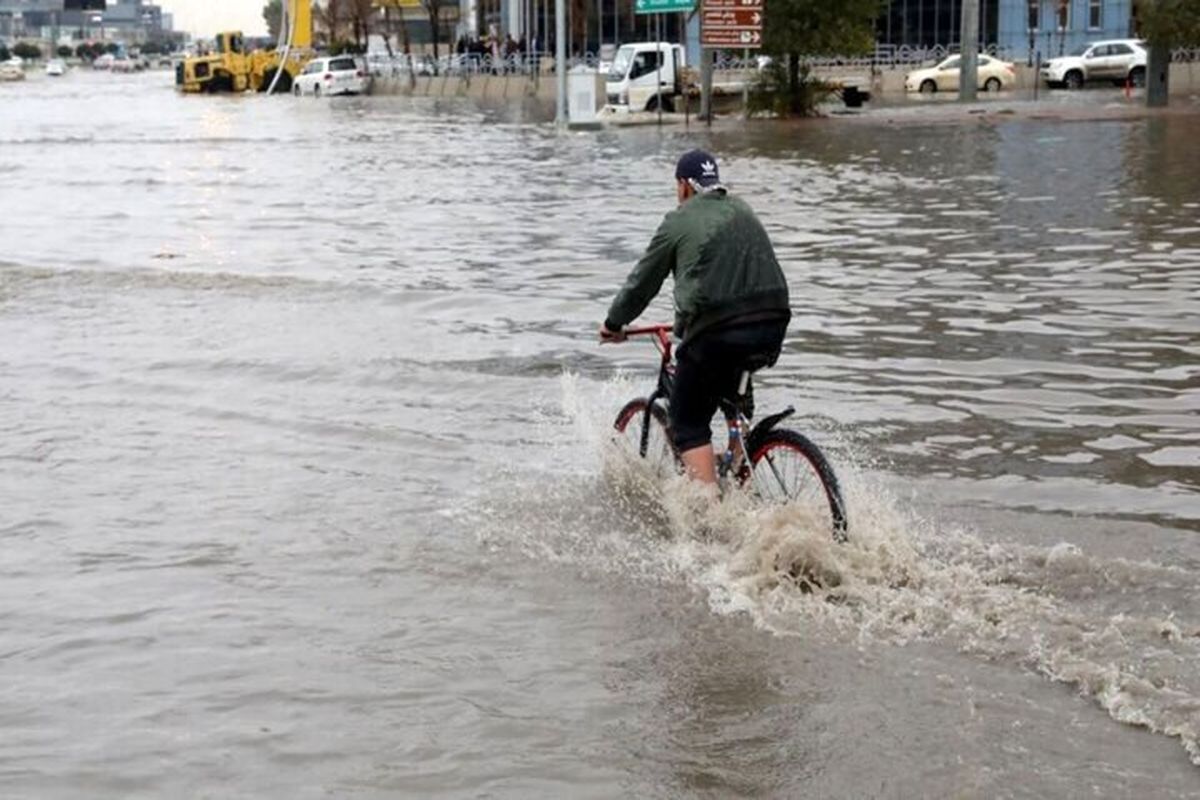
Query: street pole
column 1158, row 69
column 706, row 80
column 968, row 71
column 746, row 82
column 659, row 58
column 560, row 61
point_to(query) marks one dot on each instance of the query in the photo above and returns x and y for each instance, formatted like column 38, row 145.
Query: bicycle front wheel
column 647, row 435
column 789, row 468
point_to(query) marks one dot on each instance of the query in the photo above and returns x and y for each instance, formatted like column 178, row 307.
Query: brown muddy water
column 304, row 489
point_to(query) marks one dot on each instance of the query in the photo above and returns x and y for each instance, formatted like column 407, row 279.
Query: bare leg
column 700, row 463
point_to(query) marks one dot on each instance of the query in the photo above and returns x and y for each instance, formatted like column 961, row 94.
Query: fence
column 884, row 56
column 467, row 65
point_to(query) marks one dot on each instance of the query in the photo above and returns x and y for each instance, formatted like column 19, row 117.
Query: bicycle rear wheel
column 647, row 436
column 789, row 468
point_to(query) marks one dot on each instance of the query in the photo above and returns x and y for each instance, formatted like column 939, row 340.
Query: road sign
column 663, row 6
column 731, row 23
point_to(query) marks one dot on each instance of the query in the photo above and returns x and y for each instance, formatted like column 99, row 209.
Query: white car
column 331, row 75
column 1116, row 60
column 56, row 68
column 992, row 74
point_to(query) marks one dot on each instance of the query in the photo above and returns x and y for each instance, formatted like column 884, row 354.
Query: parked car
column 331, row 75
column 11, row 72
column 104, row 61
column 56, row 68
column 1117, row 60
column 994, row 75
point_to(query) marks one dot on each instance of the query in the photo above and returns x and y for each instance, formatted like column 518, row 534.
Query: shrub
column 27, row 50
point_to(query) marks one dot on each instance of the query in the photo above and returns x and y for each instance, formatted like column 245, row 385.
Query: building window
column 1062, row 14
column 1095, row 14
column 1035, row 15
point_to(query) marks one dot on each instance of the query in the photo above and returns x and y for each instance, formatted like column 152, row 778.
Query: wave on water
column 1112, row 628
column 198, row 279
column 32, row 141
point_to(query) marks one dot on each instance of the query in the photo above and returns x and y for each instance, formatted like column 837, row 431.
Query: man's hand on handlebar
column 607, row 335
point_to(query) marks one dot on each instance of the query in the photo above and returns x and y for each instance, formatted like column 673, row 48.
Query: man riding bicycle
column 731, row 302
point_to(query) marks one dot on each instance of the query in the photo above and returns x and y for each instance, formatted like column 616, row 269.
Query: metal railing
column 472, row 64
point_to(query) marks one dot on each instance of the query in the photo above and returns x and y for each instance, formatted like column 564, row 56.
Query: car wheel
column 1074, row 79
column 1138, row 76
column 928, row 86
column 991, row 85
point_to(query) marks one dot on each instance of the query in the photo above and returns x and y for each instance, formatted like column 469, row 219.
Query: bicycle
column 779, row 464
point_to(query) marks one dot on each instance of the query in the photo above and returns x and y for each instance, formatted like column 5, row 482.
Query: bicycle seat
column 759, row 361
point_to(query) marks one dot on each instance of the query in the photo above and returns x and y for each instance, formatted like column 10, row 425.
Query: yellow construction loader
column 230, row 68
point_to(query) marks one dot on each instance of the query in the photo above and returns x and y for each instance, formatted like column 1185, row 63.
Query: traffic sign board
column 663, row 6
column 731, row 23
column 735, row 18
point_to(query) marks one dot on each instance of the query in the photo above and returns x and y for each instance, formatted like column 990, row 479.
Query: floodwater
column 305, row 491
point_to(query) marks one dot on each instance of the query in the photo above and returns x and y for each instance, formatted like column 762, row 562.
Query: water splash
column 900, row 578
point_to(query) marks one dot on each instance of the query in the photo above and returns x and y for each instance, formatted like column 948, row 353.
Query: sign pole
column 659, row 60
column 746, row 83
column 729, row 24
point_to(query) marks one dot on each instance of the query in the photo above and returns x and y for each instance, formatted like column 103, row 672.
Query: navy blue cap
column 698, row 166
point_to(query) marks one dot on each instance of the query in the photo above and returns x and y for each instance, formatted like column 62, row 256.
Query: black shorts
column 708, row 369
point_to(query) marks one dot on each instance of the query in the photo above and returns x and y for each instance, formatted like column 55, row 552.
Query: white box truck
column 644, row 75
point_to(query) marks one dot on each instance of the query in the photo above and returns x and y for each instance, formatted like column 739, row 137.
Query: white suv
column 1117, row 60
column 332, row 75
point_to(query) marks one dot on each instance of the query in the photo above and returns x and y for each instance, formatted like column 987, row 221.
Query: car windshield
column 342, row 64
column 949, row 63
column 621, row 64
column 1078, row 51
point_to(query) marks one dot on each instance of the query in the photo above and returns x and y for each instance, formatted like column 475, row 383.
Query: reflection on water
column 287, row 476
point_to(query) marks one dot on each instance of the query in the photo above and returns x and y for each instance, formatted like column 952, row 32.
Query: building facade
column 1016, row 29
column 1051, row 28
column 128, row 21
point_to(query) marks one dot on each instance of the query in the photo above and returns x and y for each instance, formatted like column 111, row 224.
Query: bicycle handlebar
column 661, row 333
column 648, row 330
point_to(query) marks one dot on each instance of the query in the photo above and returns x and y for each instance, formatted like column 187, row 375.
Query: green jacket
column 724, row 266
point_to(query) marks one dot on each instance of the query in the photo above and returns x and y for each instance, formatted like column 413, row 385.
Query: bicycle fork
column 735, row 458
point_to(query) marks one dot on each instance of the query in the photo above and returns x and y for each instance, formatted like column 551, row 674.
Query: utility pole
column 1158, row 68
column 968, row 72
column 560, row 61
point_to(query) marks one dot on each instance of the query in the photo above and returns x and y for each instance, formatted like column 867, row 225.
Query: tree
column 273, row 15
column 4, row 54
column 1170, row 23
column 330, row 18
column 63, row 51
column 362, row 15
column 112, row 48
column 1166, row 24
column 434, row 9
column 27, row 51
column 794, row 29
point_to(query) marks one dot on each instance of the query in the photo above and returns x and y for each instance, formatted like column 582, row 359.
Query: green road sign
column 662, row 6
